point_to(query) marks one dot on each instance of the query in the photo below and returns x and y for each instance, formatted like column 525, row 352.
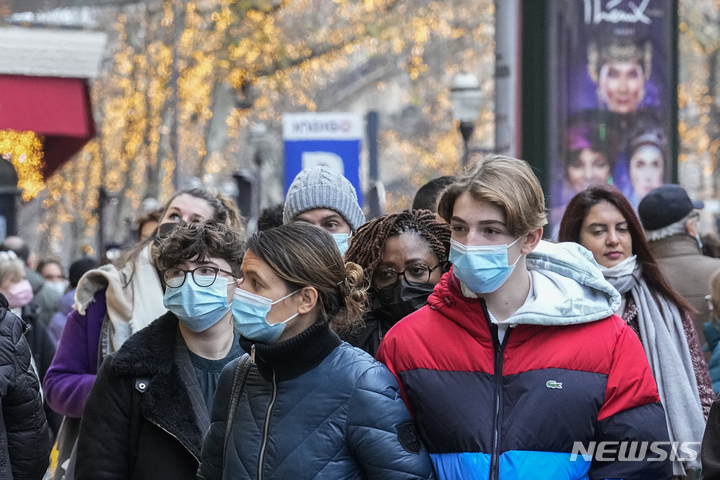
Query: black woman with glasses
column 148, row 410
column 403, row 256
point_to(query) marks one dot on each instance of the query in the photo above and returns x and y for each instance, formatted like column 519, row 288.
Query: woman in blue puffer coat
column 312, row 406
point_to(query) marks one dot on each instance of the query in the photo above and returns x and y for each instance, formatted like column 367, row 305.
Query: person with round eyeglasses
column 403, row 256
column 148, row 410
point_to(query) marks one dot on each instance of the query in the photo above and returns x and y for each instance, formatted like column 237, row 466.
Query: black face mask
column 401, row 299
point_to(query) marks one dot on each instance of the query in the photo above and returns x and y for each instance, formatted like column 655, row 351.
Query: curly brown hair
column 368, row 244
column 198, row 241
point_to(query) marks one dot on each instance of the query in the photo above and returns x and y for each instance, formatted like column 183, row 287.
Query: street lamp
column 465, row 97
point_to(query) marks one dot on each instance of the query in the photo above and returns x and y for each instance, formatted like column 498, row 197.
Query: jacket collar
column 569, row 289
column 149, row 352
column 674, row 246
column 297, row 355
column 166, row 400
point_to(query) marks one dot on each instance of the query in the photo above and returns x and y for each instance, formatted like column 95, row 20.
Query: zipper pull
column 252, row 354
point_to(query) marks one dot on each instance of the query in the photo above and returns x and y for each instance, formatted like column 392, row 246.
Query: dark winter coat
column 141, row 419
column 710, row 453
column 24, row 437
column 43, row 351
column 369, row 336
column 313, row 407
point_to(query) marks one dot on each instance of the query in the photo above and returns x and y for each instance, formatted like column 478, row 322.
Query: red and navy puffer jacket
column 516, row 410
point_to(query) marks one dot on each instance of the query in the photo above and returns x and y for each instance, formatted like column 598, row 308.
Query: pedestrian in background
column 324, row 198
column 602, row 220
column 53, row 274
column 46, row 299
column 57, row 323
column 427, row 196
column 670, row 221
column 403, row 256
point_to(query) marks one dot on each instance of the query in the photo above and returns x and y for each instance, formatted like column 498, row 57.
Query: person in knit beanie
column 326, row 199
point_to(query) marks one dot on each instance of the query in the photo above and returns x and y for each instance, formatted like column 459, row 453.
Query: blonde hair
column 508, row 183
column 11, row 267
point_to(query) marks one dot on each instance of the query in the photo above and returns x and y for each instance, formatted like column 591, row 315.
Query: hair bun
column 343, row 290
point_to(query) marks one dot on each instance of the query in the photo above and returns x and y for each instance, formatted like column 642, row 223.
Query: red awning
column 58, row 108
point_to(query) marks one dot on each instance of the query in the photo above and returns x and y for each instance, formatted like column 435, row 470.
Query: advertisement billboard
column 611, row 98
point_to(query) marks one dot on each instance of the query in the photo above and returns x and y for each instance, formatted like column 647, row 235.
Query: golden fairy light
column 245, row 62
column 25, row 152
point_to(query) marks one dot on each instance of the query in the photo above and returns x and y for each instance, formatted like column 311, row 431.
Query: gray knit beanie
column 321, row 187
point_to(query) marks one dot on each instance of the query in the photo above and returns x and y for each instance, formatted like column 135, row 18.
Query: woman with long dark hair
column 602, row 220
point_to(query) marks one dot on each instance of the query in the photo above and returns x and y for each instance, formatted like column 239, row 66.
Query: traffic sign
column 330, row 139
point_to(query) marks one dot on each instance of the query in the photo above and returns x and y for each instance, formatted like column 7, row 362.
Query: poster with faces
column 611, row 97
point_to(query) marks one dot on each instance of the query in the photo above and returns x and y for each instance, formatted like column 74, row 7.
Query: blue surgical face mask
column 198, row 308
column 341, row 240
column 483, row 269
column 250, row 316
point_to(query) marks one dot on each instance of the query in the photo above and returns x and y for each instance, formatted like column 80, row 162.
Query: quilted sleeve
column 380, row 432
column 632, row 412
column 28, row 441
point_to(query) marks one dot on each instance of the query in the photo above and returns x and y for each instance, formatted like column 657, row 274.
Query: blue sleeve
column 380, row 432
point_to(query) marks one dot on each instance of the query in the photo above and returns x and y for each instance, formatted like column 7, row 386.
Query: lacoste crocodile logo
column 553, row 384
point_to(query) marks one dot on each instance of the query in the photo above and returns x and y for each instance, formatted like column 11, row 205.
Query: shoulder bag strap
column 241, row 372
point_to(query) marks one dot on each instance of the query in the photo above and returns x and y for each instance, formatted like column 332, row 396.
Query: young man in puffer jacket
column 517, row 367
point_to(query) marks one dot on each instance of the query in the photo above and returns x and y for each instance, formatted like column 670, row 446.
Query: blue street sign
column 330, row 139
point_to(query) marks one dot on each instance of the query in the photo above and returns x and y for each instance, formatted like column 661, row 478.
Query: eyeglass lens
column 414, row 274
column 202, row 276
